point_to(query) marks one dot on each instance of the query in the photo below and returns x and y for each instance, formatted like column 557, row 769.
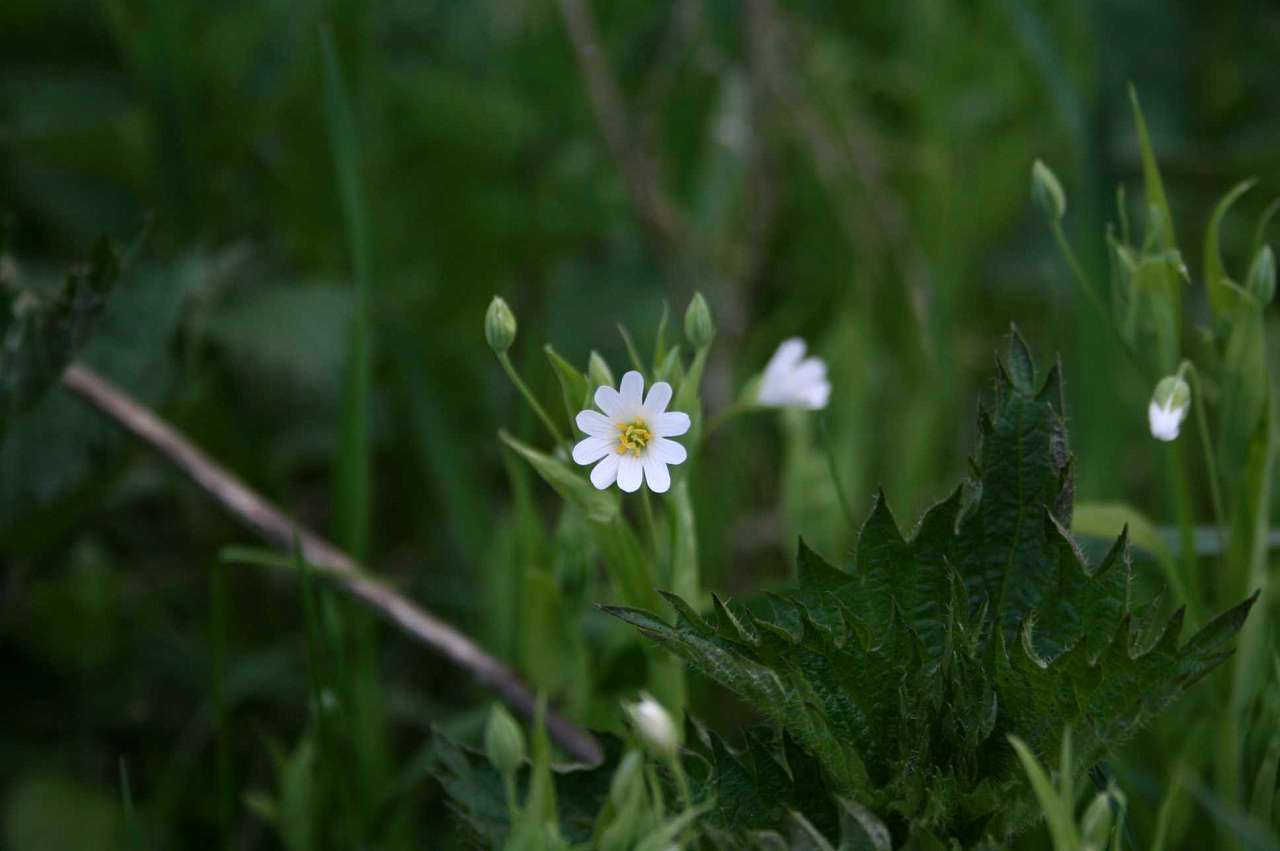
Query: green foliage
column 903, row 673
column 41, row 332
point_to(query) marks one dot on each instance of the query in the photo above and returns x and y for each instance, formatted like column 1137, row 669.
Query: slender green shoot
column 828, row 449
column 552, row 428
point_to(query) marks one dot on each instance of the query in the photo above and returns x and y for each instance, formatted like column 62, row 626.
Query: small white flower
column 630, row 439
column 1169, row 405
column 653, row 725
column 793, row 381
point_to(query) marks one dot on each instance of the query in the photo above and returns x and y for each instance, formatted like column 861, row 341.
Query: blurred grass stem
column 1077, row 271
column 650, row 521
column 828, row 449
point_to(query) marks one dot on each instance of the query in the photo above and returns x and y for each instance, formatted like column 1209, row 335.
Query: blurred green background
column 852, row 173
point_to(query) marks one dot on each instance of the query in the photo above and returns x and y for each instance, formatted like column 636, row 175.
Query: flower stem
column 1078, row 271
column 650, row 522
column 509, row 789
column 1183, row 506
column 724, row 416
column 682, row 782
column 505, row 360
column 1206, row 446
column 829, row 450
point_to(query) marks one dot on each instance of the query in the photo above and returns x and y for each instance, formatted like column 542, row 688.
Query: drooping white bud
column 1169, row 406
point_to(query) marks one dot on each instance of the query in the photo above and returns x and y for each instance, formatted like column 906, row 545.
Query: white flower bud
column 1169, row 405
column 654, row 727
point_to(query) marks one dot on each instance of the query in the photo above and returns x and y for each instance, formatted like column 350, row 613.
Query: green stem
column 1206, row 446
column 829, row 450
column 556, row 435
column 654, row 540
column 655, row 790
column 1180, row 487
column 509, row 789
column 724, row 416
column 1077, row 270
column 658, row 572
column 682, row 782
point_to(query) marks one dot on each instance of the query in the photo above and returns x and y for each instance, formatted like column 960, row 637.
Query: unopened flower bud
column 503, row 741
column 499, row 325
column 1262, row 275
column 626, row 778
column 1169, row 405
column 699, row 329
column 1047, row 192
column 598, row 370
column 1095, row 827
column 654, row 727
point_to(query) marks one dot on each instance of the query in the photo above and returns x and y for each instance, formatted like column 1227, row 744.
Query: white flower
column 1169, row 405
column 654, row 726
column 630, row 439
column 793, row 381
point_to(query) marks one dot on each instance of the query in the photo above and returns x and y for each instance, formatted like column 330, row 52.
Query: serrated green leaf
column 903, row 676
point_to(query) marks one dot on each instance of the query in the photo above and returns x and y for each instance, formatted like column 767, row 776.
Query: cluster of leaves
column 904, row 674
column 41, row 332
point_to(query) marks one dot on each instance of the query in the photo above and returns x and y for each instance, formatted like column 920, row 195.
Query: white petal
column 592, row 450
column 817, row 395
column 658, row 399
column 595, row 423
column 608, row 400
column 811, row 371
column 606, row 472
column 773, row 390
column 670, row 424
column 667, row 451
column 630, row 471
column 1165, row 423
column 789, row 353
column 632, row 388
column 655, row 474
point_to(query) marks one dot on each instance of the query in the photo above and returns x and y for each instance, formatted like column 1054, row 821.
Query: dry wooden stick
column 281, row 530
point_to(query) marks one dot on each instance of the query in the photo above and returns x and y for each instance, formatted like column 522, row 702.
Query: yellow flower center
column 633, row 437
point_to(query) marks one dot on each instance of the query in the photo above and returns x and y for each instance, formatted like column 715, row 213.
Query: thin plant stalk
column 218, row 612
column 1068, row 254
column 655, row 540
column 552, row 428
column 682, row 782
column 1206, row 446
column 1184, row 510
column 828, row 449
